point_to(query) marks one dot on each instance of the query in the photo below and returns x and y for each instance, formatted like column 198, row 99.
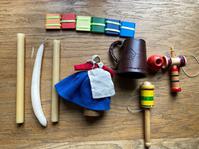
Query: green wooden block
column 83, row 23
column 98, row 25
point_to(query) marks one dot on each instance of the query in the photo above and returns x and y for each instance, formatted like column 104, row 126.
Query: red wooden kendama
column 173, row 63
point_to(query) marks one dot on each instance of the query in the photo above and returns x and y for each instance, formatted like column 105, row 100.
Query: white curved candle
column 35, row 88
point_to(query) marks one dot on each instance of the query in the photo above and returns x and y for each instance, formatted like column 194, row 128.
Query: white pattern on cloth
column 101, row 83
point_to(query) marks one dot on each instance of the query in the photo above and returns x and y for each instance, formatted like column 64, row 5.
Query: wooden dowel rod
column 20, row 78
column 147, row 128
column 55, row 79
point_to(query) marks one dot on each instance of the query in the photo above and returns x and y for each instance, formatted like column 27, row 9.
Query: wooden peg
column 20, row 78
column 55, row 79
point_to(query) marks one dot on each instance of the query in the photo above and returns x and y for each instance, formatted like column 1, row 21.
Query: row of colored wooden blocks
column 93, row 24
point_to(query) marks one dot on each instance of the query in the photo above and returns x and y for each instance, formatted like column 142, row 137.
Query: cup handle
column 111, row 51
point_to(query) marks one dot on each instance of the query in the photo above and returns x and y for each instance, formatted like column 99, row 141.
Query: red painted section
column 175, row 90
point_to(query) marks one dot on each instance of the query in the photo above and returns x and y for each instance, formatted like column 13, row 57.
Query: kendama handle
column 175, row 82
column 147, row 127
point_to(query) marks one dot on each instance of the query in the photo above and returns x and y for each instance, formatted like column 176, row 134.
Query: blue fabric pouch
column 77, row 89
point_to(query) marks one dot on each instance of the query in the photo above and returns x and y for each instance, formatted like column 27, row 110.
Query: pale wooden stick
column 20, row 78
column 147, row 128
column 55, row 79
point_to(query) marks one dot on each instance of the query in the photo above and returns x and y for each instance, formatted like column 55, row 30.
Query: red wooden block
column 68, row 21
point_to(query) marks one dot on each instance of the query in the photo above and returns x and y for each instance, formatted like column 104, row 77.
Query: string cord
column 133, row 111
column 188, row 74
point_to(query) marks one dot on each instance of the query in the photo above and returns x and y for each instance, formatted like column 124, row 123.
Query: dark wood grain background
column 161, row 23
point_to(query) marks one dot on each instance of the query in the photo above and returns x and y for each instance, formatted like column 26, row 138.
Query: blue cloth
column 77, row 89
column 127, row 29
column 112, row 28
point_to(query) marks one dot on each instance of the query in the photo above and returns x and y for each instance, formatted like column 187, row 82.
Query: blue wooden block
column 127, row 29
column 112, row 27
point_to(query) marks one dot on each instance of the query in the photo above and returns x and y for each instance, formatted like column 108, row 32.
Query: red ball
column 155, row 62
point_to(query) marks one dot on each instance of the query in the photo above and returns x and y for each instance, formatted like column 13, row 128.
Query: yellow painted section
column 147, row 93
column 147, row 103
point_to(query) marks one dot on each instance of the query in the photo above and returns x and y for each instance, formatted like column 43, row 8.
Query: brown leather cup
column 132, row 61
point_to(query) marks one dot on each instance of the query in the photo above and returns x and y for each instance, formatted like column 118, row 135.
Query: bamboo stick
column 55, row 79
column 20, row 79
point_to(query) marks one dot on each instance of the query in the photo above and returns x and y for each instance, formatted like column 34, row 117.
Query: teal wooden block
column 98, row 25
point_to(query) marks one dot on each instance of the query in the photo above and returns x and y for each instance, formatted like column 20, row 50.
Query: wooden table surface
column 161, row 23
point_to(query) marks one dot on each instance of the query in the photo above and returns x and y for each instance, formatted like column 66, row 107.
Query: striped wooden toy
column 147, row 95
column 174, row 74
column 175, row 82
column 147, row 102
column 53, row 21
